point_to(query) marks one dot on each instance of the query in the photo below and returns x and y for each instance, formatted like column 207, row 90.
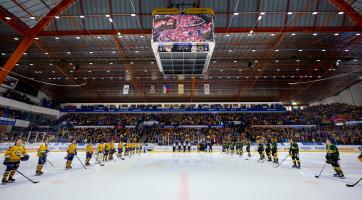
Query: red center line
column 184, row 192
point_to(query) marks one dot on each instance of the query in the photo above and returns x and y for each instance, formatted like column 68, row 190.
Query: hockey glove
column 25, row 157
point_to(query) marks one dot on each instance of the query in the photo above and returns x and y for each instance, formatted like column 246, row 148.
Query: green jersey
column 332, row 152
column 260, row 148
column 274, row 146
column 294, row 148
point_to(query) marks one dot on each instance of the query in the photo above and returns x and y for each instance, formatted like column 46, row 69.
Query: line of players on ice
column 104, row 152
column 270, row 152
column 186, row 146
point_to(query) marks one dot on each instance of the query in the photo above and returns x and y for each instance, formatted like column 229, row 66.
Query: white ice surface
column 187, row 176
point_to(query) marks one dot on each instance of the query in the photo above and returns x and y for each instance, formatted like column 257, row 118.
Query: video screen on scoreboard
column 183, row 28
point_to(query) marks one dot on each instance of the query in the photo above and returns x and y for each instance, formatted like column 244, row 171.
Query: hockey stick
column 282, row 161
column 250, row 157
column 80, row 161
column 99, row 163
column 50, row 163
column 352, row 185
column 261, row 161
column 321, row 170
column 27, row 177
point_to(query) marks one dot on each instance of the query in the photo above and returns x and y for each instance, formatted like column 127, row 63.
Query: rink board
column 62, row 147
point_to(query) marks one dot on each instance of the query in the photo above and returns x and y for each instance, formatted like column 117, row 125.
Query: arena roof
column 261, row 47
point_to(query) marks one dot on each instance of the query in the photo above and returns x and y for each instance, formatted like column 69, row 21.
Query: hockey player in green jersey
column 247, row 149
column 239, row 148
column 332, row 158
column 268, row 150
column 274, row 150
column 294, row 153
column 261, row 150
column 232, row 148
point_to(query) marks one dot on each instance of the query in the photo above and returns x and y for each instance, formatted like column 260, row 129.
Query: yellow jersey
column 42, row 149
column 89, row 149
column 100, row 147
column 72, row 148
column 108, row 147
column 120, row 145
column 111, row 145
column 14, row 153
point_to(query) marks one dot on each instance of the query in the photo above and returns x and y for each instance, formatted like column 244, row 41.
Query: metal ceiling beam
column 27, row 41
column 348, row 10
column 217, row 30
column 14, row 22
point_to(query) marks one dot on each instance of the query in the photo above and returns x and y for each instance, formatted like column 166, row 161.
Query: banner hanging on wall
column 152, row 89
column 180, row 88
column 207, row 89
column 10, row 82
column 125, row 89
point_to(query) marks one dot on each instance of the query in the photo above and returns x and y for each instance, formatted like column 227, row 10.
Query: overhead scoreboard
column 183, row 40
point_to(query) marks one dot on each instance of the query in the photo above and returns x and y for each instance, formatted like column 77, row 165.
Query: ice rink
column 187, row 176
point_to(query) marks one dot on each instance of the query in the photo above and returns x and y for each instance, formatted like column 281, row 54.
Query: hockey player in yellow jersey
column 127, row 149
column 100, row 151
column 112, row 150
column 71, row 152
column 89, row 153
column 13, row 155
column 120, row 149
column 107, row 149
column 42, row 154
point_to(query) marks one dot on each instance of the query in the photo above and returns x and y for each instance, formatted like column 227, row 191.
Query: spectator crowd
column 318, row 123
